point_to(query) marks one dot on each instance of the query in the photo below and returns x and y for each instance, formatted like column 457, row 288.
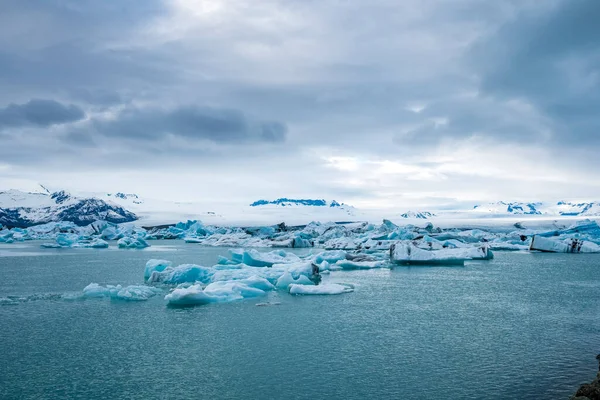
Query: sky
column 379, row 104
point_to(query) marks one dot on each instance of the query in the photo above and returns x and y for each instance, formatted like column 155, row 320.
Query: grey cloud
column 40, row 113
column 550, row 58
column 192, row 122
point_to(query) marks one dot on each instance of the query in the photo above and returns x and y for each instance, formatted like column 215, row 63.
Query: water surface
column 520, row 326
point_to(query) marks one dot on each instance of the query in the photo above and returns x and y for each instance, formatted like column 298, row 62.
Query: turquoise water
column 520, row 326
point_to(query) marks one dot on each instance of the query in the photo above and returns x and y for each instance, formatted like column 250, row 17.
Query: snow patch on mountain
column 285, row 202
column 417, row 214
column 578, row 209
column 515, row 208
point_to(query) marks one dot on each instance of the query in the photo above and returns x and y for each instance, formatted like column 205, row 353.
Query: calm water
column 521, row 326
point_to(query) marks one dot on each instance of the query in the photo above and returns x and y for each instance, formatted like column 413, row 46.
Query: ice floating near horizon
column 408, row 253
column 322, row 289
column 132, row 243
column 71, row 240
column 128, row 293
column 544, row 244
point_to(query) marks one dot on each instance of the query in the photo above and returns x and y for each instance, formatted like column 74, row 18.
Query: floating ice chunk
column 565, row 246
column 232, row 290
column 237, row 255
column 193, row 295
column 92, row 244
column 181, row 274
column 137, row 293
column 216, row 292
column 407, row 253
column 349, row 264
column 299, row 242
column 76, row 241
column 287, row 279
column 50, row 246
column 322, row 289
column 255, row 258
column 330, row 256
column 6, row 236
column 193, row 239
column 132, row 243
column 258, row 283
column 66, row 239
column 155, row 265
column 130, row 293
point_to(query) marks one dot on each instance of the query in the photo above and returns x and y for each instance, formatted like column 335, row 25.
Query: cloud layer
column 386, row 104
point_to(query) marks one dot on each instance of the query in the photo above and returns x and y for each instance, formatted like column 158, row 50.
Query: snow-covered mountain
column 578, row 209
column 515, row 208
column 23, row 209
column 31, row 207
column 125, row 198
column 417, row 214
column 285, row 202
column 562, row 208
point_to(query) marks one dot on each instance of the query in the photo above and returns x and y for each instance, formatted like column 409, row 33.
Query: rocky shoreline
column 589, row 391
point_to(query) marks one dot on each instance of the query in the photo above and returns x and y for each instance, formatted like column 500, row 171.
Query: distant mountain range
column 418, row 214
column 285, row 202
column 561, row 208
column 21, row 209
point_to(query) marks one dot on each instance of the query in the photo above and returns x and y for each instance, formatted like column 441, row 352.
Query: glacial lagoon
column 523, row 325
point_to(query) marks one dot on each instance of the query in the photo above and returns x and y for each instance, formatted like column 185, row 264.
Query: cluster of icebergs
column 246, row 274
column 250, row 273
column 583, row 236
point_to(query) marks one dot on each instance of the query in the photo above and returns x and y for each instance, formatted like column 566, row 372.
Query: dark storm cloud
column 550, row 58
column 41, row 113
column 192, row 122
column 199, row 84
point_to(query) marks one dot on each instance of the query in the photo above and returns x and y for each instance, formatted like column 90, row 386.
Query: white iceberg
column 185, row 273
column 408, row 253
column 218, row 292
column 571, row 245
column 155, row 265
column 322, row 289
column 129, row 293
column 287, row 279
column 130, row 242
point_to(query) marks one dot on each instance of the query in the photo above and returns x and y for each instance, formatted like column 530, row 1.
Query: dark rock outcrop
column 588, row 391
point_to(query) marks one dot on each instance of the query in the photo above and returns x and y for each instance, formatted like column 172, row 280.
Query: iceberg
column 185, row 273
column 322, row 289
column 573, row 245
column 287, row 279
column 350, row 264
column 218, row 292
column 408, row 253
column 155, row 265
column 129, row 293
column 132, row 243
column 254, row 258
column 72, row 240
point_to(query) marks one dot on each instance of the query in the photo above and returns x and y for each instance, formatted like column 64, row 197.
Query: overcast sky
column 374, row 103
